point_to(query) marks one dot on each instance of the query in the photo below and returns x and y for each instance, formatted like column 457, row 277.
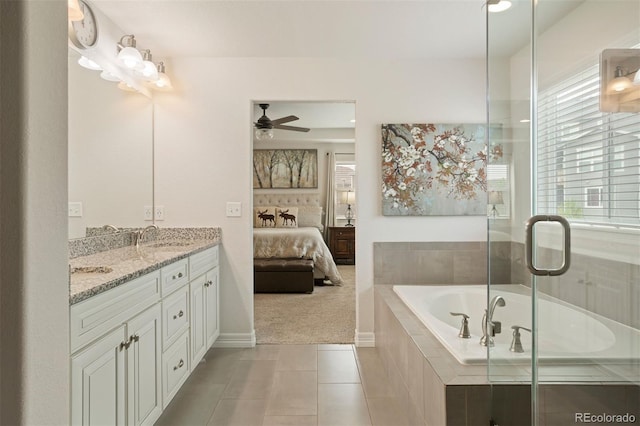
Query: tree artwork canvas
column 285, row 168
column 435, row 169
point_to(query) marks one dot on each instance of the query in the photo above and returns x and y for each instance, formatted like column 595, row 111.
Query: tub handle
column 516, row 343
column 464, row 328
column 529, row 245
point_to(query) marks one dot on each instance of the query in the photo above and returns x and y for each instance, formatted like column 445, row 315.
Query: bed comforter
column 304, row 243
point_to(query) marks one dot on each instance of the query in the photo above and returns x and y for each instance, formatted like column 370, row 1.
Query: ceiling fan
column 264, row 126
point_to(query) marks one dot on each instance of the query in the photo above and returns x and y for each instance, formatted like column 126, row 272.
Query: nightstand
column 342, row 243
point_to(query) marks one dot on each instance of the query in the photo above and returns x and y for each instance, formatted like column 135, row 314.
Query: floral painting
column 434, row 169
column 285, row 168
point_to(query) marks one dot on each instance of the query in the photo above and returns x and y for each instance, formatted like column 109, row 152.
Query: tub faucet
column 139, row 235
column 516, row 343
column 490, row 327
column 464, row 328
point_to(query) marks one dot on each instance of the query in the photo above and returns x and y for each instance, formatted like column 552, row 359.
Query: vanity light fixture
column 163, row 82
column 126, row 87
column 89, row 64
column 128, row 55
column 620, row 81
column 74, row 12
column 106, row 75
column 149, row 70
column 496, row 6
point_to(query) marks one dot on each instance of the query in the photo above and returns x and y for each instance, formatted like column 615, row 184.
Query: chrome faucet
column 111, row 228
column 139, row 235
column 490, row 327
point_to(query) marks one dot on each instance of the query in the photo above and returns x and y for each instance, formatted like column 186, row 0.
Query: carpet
column 328, row 315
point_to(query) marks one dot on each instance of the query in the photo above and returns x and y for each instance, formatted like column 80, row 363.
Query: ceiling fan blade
column 284, row 119
column 295, row 129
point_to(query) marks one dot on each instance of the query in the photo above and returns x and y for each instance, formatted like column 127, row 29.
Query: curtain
column 330, row 205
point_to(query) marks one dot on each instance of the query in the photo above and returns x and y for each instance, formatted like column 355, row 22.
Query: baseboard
column 365, row 340
column 236, row 340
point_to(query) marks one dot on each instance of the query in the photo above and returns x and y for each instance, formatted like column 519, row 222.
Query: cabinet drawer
column 200, row 263
column 97, row 315
column 175, row 316
column 175, row 368
column 174, row 276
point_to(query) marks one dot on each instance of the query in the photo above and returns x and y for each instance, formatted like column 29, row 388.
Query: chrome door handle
column 529, row 245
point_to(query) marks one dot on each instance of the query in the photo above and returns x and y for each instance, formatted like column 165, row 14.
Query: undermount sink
column 91, row 270
column 170, row 244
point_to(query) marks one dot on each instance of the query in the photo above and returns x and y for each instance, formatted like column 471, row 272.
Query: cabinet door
column 98, row 382
column 198, row 318
column 144, row 388
column 212, row 291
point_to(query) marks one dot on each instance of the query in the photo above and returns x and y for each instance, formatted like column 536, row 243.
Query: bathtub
column 567, row 333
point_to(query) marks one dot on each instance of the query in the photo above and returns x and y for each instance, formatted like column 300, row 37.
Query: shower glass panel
column 563, row 114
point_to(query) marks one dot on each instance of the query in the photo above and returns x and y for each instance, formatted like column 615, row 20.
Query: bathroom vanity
column 141, row 320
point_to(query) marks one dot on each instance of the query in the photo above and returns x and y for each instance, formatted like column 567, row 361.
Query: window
column 588, row 161
column 593, row 197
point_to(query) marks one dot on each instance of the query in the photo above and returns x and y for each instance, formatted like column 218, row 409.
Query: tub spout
column 490, row 327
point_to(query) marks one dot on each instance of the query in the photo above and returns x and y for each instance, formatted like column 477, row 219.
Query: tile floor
column 273, row 385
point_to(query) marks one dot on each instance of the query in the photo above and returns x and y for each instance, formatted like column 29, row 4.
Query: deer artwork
column 287, row 217
column 266, row 217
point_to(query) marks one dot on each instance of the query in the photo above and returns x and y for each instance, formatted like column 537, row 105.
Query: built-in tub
column 567, row 333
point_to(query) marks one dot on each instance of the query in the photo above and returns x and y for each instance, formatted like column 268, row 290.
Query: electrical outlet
column 159, row 213
column 75, row 209
column 234, row 209
column 148, row 212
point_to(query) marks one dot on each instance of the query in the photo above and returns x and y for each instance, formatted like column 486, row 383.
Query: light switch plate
column 75, row 209
column 234, row 209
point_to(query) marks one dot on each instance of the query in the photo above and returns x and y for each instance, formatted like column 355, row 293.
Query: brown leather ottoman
column 282, row 276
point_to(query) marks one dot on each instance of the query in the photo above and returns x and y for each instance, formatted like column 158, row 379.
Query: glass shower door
column 564, row 251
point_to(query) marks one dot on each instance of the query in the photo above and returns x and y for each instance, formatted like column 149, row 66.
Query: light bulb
column 264, row 134
column 620, row 81
column 130, row 57
column 89, row 64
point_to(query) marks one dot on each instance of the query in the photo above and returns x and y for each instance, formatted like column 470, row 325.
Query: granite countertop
column 108, row 269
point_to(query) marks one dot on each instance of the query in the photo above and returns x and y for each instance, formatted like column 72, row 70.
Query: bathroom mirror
column 110, row 153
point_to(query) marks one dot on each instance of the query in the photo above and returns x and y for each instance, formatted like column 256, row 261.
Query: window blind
column 588, row 162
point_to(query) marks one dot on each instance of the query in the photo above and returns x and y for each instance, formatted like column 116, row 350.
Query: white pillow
column 264, row 217
column 286, row 217
column 310, row 216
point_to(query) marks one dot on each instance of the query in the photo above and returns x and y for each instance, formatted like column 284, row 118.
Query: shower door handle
column 529, row 245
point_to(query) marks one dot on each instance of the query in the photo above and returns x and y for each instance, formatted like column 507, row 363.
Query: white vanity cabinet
column 204, row 296
column 134, row 346
column 115, row 379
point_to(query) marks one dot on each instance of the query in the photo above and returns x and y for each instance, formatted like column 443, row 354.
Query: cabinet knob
column 179, row 274
column 180, row 364
column 179, row 315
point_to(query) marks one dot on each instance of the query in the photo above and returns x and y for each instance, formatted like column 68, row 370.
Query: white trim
column 365, row 339
column 236, row 340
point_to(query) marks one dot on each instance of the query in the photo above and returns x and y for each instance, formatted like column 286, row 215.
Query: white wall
column 34, row 282
column 203, row 151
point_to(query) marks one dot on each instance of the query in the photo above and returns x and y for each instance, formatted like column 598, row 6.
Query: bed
column 289, row 226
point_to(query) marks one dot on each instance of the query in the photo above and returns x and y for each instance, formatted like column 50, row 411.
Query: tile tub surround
column 129, row 262
column 424, row 263
column 445, row 392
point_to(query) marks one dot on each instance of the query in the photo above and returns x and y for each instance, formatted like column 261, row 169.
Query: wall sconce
column 149, row 70
column 348, row 198
column 495, row 198
column 619, row 92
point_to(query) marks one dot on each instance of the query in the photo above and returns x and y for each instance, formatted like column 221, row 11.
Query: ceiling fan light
column 264, row 134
